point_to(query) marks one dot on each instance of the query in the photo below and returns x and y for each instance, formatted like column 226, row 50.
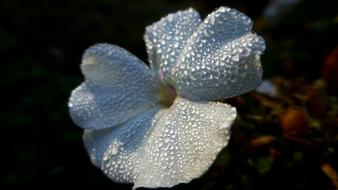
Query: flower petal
column 165, row 39
column 118, row 86
column 164, row 148
column 221, row 59
column 121, row 143
column 184, row 142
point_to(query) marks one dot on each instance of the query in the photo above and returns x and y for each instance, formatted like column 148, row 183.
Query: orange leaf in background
column 265, row 141
column 294, row 121
column 331, row 173
column 262, row 140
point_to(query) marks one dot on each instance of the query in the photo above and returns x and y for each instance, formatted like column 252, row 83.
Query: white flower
column 136, row 129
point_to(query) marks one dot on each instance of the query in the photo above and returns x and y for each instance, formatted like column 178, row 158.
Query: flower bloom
column 157, row 127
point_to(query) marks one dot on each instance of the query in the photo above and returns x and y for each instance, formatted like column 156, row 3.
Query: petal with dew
column 120, row 144
column 118, row 86
column 184, row 142
column 221, row 59
column 165, row 39
column 173, row 146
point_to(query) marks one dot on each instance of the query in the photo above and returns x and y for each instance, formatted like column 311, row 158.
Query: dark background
column 41, row 44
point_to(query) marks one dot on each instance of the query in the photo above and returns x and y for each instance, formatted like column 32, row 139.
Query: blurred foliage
column 288, row 141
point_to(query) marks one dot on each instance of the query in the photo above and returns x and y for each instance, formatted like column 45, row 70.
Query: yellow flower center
column 166, row 95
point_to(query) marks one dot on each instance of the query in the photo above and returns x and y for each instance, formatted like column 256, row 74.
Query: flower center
column 167, row 95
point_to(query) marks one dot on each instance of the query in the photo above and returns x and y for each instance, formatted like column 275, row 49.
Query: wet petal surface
column 165, row 39
column 118, row 86
column 174, row 146
column 221, row 59
column 184, row 142
column 120, row 144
